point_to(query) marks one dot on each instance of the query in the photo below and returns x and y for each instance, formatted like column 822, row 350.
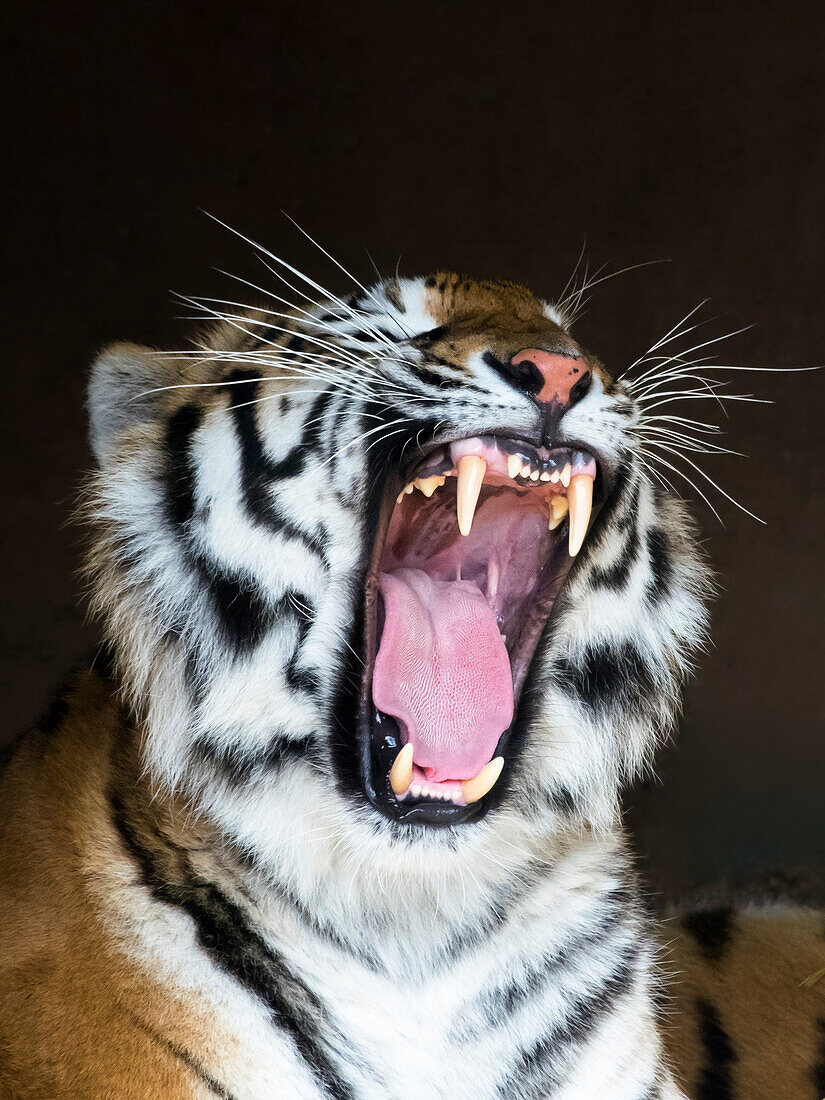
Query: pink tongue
column 443, row 671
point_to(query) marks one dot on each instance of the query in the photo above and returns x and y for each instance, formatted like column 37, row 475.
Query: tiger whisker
column 654, row 458
column 341, row 267
column 707, row 478
column 673, row 334
column 289, row 267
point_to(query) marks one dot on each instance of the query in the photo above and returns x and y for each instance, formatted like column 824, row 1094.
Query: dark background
column 492, row 138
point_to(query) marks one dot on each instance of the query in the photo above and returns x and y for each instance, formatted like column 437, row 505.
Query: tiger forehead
column 452, row 298
column 479, row 315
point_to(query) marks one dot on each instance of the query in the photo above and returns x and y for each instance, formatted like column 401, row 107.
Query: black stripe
column 716, row 1080
column 561, row 799
column 243, row 611
column 182, row 1055
column 258, row 472
column 501, row 907
column 180, row 482
column 661, row 566
column 432, row 378
column 818, row 1071
column 244, row 614
column 226, row 936
column 711, row 929
column 314, row 423
column 301, row 679
column 237, row 765
column 497, row 1005
column 624, row 508
column 616, row 575
column 606, row 677
column 542, row 1066
column 653, row 1092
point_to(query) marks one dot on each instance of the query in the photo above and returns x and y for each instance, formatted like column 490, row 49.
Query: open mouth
column 467, row 563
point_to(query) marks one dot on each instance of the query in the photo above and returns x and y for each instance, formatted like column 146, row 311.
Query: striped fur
column 200, row 899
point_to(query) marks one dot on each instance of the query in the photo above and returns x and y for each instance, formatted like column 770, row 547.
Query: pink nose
column 559, row 375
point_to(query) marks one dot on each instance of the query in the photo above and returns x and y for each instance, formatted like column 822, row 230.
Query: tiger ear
column 120, row 394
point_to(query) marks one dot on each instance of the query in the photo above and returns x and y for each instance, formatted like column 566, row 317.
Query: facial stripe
column 661, row 567
column 237, row 765
column 606, row 678
column 257, row 470
column 180, row 484
column 244, row 615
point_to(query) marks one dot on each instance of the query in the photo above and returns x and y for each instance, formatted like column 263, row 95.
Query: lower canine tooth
column 471, row 471
column 401, row 771
column 474, row 789
column 558, row 510
column 580, row 500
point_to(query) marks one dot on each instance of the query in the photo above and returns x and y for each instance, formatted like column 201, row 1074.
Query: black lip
column 377, row 736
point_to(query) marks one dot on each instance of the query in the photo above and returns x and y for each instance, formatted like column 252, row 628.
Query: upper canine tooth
column 474, row 789
column 401, row 770
column 428, row 485
column 513, row 465
column 565, row 475
column 580, row 500
column 471, row 471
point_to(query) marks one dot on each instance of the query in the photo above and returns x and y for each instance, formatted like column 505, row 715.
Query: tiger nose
column 551, row 378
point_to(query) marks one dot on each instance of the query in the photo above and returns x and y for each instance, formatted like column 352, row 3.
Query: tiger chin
column 393, row 609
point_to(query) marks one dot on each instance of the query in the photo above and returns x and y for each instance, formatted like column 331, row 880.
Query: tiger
column 394, row 604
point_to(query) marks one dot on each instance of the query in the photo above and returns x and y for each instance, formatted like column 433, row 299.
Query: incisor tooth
column 513, row 465
column 428, row 485
column 471, row 471
column 580, row 500
column 401, row 771
column 545, row 476
column 535, row 474
column 474, row 789
column 565, row 475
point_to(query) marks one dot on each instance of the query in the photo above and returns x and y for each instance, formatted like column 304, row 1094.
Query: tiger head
column 391, row 573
